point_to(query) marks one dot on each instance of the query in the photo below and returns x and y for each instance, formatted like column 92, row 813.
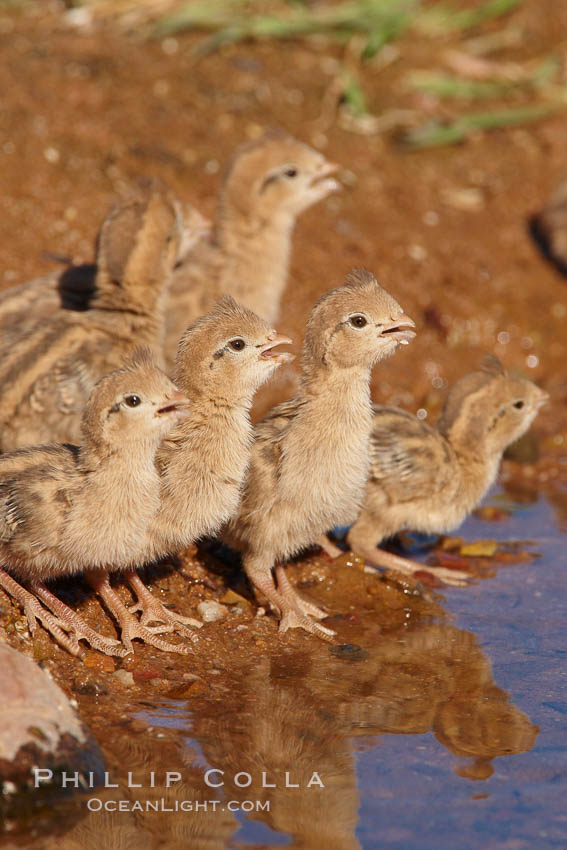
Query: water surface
column 436, row 726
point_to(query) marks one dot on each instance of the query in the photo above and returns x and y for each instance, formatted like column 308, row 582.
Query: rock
column 479, row 549
column 39, row 729
column 233, row 598
column 349, row 652
column 467, row 199
column 90, row 683
column 124, row 677
column 96, row 661
column 211, row 611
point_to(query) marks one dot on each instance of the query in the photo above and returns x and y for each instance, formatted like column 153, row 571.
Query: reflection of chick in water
column 297, row 712
column 478, row 721
column 140, row 753
column 273, row 725
column 436, row 678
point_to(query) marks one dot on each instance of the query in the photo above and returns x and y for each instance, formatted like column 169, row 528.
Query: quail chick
column 22, row 307
column 269, row 183
column 429, row 479
column 310, row 455
column 66, row 509
column 222, row 359
column 48, row 373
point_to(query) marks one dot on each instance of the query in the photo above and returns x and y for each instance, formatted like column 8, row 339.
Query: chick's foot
column 71, row 621
column 154, row 611
column 297, row 613
column 130, row 627
column 289, row 593
column 386, row 560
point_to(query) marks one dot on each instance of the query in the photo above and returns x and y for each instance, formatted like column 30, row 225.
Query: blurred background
column 448, row 120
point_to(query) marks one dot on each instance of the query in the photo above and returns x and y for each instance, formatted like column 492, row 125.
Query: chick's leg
column 154, row 611
column 130, row 627
column 363, row 537
column 287, row 590
column 329, row 547
column 380, row 558
column 75, row 624
column 283, row 598
column 34, row 611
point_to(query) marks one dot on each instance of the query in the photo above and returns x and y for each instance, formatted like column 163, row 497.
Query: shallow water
column 446, row 732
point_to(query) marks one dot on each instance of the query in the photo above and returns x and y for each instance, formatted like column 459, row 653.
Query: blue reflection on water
column 410, row 795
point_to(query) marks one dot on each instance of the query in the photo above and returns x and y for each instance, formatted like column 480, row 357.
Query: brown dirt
column 83, row 113
column 109, row 109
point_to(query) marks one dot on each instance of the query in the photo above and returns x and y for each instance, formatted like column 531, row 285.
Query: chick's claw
column 34, row 612
column 456, row 578
column 291, row 597
column 294, row 619
column 64, row 625
column 72, row 622
column 154, row 611
column 130, row 627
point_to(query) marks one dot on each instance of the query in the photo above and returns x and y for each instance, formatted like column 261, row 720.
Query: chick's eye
column 358, row 321
column 237, row 344
column 518, row 405
column 133, row 400
column 290, row 172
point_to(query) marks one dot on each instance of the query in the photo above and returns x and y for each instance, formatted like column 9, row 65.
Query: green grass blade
column 436, row 134
column 446, row 85
column 441, row 19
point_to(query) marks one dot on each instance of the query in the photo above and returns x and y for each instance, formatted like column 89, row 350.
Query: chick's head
column 136, row 403
column 490, row 408
column 356, row 325
column 274, row 176
column 228, row 353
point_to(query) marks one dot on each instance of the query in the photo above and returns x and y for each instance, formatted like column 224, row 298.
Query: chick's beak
column 267, row 352
column 325, row 175
column 542, row 399
column 177, row 406
column 401, row 329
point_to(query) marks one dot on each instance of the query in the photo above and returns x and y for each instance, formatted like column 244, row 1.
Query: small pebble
column 212, row 166
column 124, row 677
column 211, row 611
column 466, row 199
column 52, row 155
column 233, row 598
column 417, row 252
column 349, row 652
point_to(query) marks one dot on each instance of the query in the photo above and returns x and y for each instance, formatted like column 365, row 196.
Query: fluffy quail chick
column 310, row 455
column 22, row 307
column 47, row 374
column 222, row 359
column 429, row 479
column 269, row 183
column 66, row 509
